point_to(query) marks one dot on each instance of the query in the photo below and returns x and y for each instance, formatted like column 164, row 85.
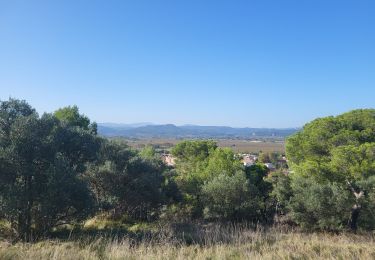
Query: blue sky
column 238, row 63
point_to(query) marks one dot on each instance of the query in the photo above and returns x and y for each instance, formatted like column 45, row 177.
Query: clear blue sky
column 238, row 63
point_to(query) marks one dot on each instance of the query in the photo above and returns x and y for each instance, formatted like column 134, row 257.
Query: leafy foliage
column 320, row 206
column 337, row 153
column 41, row 162
column 128, row 183
column 216, row 185
column 71, row 116
column 230, row 197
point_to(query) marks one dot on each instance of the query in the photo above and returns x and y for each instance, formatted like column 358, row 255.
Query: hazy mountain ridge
column 191, row 131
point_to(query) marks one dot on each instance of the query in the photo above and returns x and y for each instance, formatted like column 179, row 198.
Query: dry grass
column 230, row 242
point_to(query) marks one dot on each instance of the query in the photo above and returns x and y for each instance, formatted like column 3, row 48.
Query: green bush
column 230, row 197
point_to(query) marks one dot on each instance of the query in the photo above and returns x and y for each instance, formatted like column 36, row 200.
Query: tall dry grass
column 210, row 242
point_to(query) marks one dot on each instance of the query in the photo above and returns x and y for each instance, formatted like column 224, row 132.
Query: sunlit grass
column 212, row 242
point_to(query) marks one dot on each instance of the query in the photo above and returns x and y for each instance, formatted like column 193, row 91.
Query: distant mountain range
column 148, row 130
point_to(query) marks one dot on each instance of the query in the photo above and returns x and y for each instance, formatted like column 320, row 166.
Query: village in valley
column 272, row 160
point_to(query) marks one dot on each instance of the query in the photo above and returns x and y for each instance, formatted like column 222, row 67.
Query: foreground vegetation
column 212, row 242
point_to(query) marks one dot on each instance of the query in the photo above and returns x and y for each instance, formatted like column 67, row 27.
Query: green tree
column 257, row 176
column 149, row 152
column 281, row 192
column 269, row 157
column 192, row 158
column 130, row 184
column 337, row 151
column 71, row 116
column 242, row 195
column 229, row 197
column 221, row 161
column 216, row 185
column 320, row 206
column 41, row 162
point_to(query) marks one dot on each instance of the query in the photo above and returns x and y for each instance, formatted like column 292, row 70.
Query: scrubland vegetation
column 67, row 193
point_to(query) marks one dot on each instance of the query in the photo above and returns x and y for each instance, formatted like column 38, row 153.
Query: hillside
column 191, row 131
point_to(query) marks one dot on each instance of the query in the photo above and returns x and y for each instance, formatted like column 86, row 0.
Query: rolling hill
column 190, row 131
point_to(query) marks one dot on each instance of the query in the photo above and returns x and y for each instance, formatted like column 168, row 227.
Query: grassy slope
column 214, row 243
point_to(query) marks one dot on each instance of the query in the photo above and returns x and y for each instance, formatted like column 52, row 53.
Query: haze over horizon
column 274, row 64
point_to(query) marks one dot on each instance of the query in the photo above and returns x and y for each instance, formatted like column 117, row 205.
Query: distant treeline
column 55, row 170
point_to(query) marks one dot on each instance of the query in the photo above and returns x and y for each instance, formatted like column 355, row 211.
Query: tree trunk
column 24, row 218
column 356, row 207
column 21, row 225
column 354, row 218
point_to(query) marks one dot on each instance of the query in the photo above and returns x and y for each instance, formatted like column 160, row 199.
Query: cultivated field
column 246, row 146
column 212, row 243
column 238, row 146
